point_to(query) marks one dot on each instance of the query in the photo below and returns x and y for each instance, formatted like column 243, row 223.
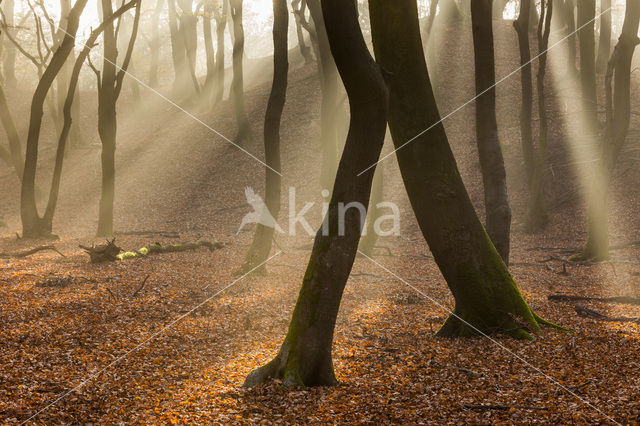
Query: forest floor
column 89, row 343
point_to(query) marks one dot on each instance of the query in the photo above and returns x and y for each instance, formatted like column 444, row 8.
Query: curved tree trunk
column 305, row 356
column 486, row 295
column 604, row 42
column 328, row 108
column 237, row 85
column 496, row 200
column 618, row 118
column 32, row 224
column 261, row 245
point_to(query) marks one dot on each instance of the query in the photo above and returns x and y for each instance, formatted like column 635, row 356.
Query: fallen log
column 25, row 253
column 110, row 252
column 617, row 299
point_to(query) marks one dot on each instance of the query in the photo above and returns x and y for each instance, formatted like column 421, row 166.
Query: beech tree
column 237, row 85
column 261, row 245
column 305, row 355
column 494, row 178
column 618, row 107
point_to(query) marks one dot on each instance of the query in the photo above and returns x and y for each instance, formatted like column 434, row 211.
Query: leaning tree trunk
column 261, row 245
column 521, row 26
column 604, row 43
column 586, row 18
column 329, row 103
column 221, row 23
column 618, row 117
column 305, row 356
column 237, row 85
column 496, row 200
column 486, row 295
column 537, row 217
column 32, row 224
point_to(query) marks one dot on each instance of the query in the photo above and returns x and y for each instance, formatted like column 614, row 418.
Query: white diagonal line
column 500, row 345
column 175, row 105
column 138, row 346
column 482, row 93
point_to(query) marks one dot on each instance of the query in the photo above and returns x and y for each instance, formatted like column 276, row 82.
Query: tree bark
column 329, row 103
column 237, row 85
column 618, row 117
column 485, row 293
column 32, row 225
column 262, row 239
column 496, row 200
column 305, row 356
column 604, row 43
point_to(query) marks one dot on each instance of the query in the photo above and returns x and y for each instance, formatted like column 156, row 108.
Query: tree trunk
column 305, row 356
column 15, row 156
column 237, row 85
column 32, row 224
column 370, row 238
column 221, row 23
column 496, row 200
column 486, row 295
column 210, row 80
column 521, row 26
column 261, row 245
column 299, row 9
column 329, row 103
column 537, row 217
column 155, row 44
column 604, row 44
column 618, row 118
column 189, row 36
column 9, row 57
column 178, row 54
column 586, row 19
column 569, row 11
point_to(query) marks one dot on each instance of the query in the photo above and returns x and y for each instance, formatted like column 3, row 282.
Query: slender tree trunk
column 496, row 200
column 604, row 44
column 261, row 245
column 178, row 53
column 221, row 23
column 329, row 103
column 586, row 20
column 32, row 224
column 237, row 85
column 305, row 355
column 210, row 80
column 521, row 26
column 189, row 36
column 299, row 9
column 15, row 149
column 537, row 217
column 9, row 57
column 486, row 295
column 618, row 118
column 569, row 11
column 155, row 44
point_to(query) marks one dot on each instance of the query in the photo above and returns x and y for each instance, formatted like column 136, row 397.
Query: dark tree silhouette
column 299, row 8
column 496, row 200
column 261, row 245
column 305, row 355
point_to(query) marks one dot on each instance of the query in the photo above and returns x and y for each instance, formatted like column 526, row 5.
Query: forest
column 319, row 212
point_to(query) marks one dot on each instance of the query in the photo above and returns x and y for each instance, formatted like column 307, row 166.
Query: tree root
column 616, row 299
column 585, row 312
column 29, row 252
